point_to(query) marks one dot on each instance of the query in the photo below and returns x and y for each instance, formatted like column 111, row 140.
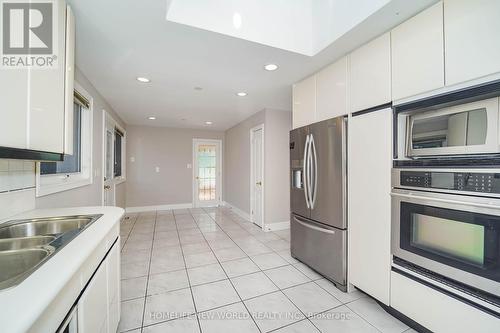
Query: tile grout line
column 149, row 270
column 187, row 274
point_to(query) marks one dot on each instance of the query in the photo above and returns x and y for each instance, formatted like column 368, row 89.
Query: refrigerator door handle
column 309, row 171
column 306, row 172
column 315, row 162
column 313, row 227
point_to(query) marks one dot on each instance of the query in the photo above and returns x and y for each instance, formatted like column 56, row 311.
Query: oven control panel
column 458, row 181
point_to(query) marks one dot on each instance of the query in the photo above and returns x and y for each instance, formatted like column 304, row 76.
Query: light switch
column 132, row 159
column 157, row 169
column 189, row 166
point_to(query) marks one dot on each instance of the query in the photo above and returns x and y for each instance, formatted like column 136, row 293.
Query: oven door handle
column 456, row 202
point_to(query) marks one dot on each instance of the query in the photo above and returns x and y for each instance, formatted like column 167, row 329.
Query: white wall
column 277, row 125
column 170, row 149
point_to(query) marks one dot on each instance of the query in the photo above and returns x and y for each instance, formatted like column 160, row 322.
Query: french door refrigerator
column 318, row 198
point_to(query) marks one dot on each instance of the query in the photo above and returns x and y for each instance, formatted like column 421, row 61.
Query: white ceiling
column 118, row 40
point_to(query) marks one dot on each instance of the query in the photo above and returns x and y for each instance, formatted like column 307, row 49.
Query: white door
column 257, row 175
column 207, row 172
column 109, row 144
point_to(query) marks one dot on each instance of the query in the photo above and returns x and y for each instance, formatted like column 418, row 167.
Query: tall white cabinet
column 418, row 54
column 33, row 100
column 471, row 31
column 369, row 204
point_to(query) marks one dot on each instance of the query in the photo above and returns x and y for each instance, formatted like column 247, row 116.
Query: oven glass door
column 465, row 240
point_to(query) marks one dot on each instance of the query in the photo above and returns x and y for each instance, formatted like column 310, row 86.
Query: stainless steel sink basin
column 15, row 263
column 39, row 227
column 26, row 244
column 7, row 244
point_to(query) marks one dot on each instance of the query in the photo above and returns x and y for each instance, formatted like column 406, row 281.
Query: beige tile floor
column 209, row 270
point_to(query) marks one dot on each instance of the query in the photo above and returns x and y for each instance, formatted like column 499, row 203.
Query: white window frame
column 123, row 177
column 49, row 184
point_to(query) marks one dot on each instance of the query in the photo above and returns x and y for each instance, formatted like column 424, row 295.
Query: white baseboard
column 277, row 226
column 238, row 211
column 158, row 207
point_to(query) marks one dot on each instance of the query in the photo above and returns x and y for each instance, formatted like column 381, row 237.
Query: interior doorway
column 207, row 172
column 257, row 175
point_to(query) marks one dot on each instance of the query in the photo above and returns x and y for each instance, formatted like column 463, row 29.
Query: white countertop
column 21, row 306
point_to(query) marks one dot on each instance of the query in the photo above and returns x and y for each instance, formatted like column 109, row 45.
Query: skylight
column 301, row 26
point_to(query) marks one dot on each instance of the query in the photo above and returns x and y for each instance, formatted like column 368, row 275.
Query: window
column 75, row 170
column 71, row 163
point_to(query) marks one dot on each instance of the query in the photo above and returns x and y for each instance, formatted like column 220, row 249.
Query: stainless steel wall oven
column 446, row 223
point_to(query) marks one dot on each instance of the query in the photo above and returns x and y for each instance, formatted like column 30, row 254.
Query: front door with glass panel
column 207, row 175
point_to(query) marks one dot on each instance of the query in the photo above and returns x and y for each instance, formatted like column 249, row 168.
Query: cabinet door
column 304, row 102
column 92, row 306
column 331, row 91
column 417, row 54
column 471, row 39
column 46, row 97
column 14, row 108
column 113, row 286
column 69, row 81
column 437, row 311
column 369, row 171
column 370, row 74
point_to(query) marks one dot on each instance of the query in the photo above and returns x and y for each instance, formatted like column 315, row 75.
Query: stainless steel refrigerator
column 318, row 198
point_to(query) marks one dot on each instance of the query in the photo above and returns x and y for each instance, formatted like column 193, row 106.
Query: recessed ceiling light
column 237, row 20
column 143, row 79
column 241, row 94
column 271, row 67
column 208, row 123
column 152, row 118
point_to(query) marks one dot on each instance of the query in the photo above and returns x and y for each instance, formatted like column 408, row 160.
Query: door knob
column 107, row 187
column 258, row 183
column 197, row 177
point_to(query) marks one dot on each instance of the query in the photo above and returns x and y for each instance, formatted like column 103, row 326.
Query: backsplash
column 16, row 175
column 17, row 187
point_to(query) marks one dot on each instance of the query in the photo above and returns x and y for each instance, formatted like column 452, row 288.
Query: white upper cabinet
column 418, row 54
column 471, row 31
column 370, row 74
column 304, row 102
column 331, row 91
column 13, row 106
column 33, row 100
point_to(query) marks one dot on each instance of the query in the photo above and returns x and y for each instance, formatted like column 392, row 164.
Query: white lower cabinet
column 113, row 275
column 437, row 311
column 369, row 202
column 92, row 312
column 99, row 304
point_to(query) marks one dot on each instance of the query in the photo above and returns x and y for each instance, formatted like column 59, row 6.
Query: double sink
column 26, row 244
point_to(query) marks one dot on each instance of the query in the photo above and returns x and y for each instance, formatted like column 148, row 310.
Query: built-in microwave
column 458, row 130
column 446, row 223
